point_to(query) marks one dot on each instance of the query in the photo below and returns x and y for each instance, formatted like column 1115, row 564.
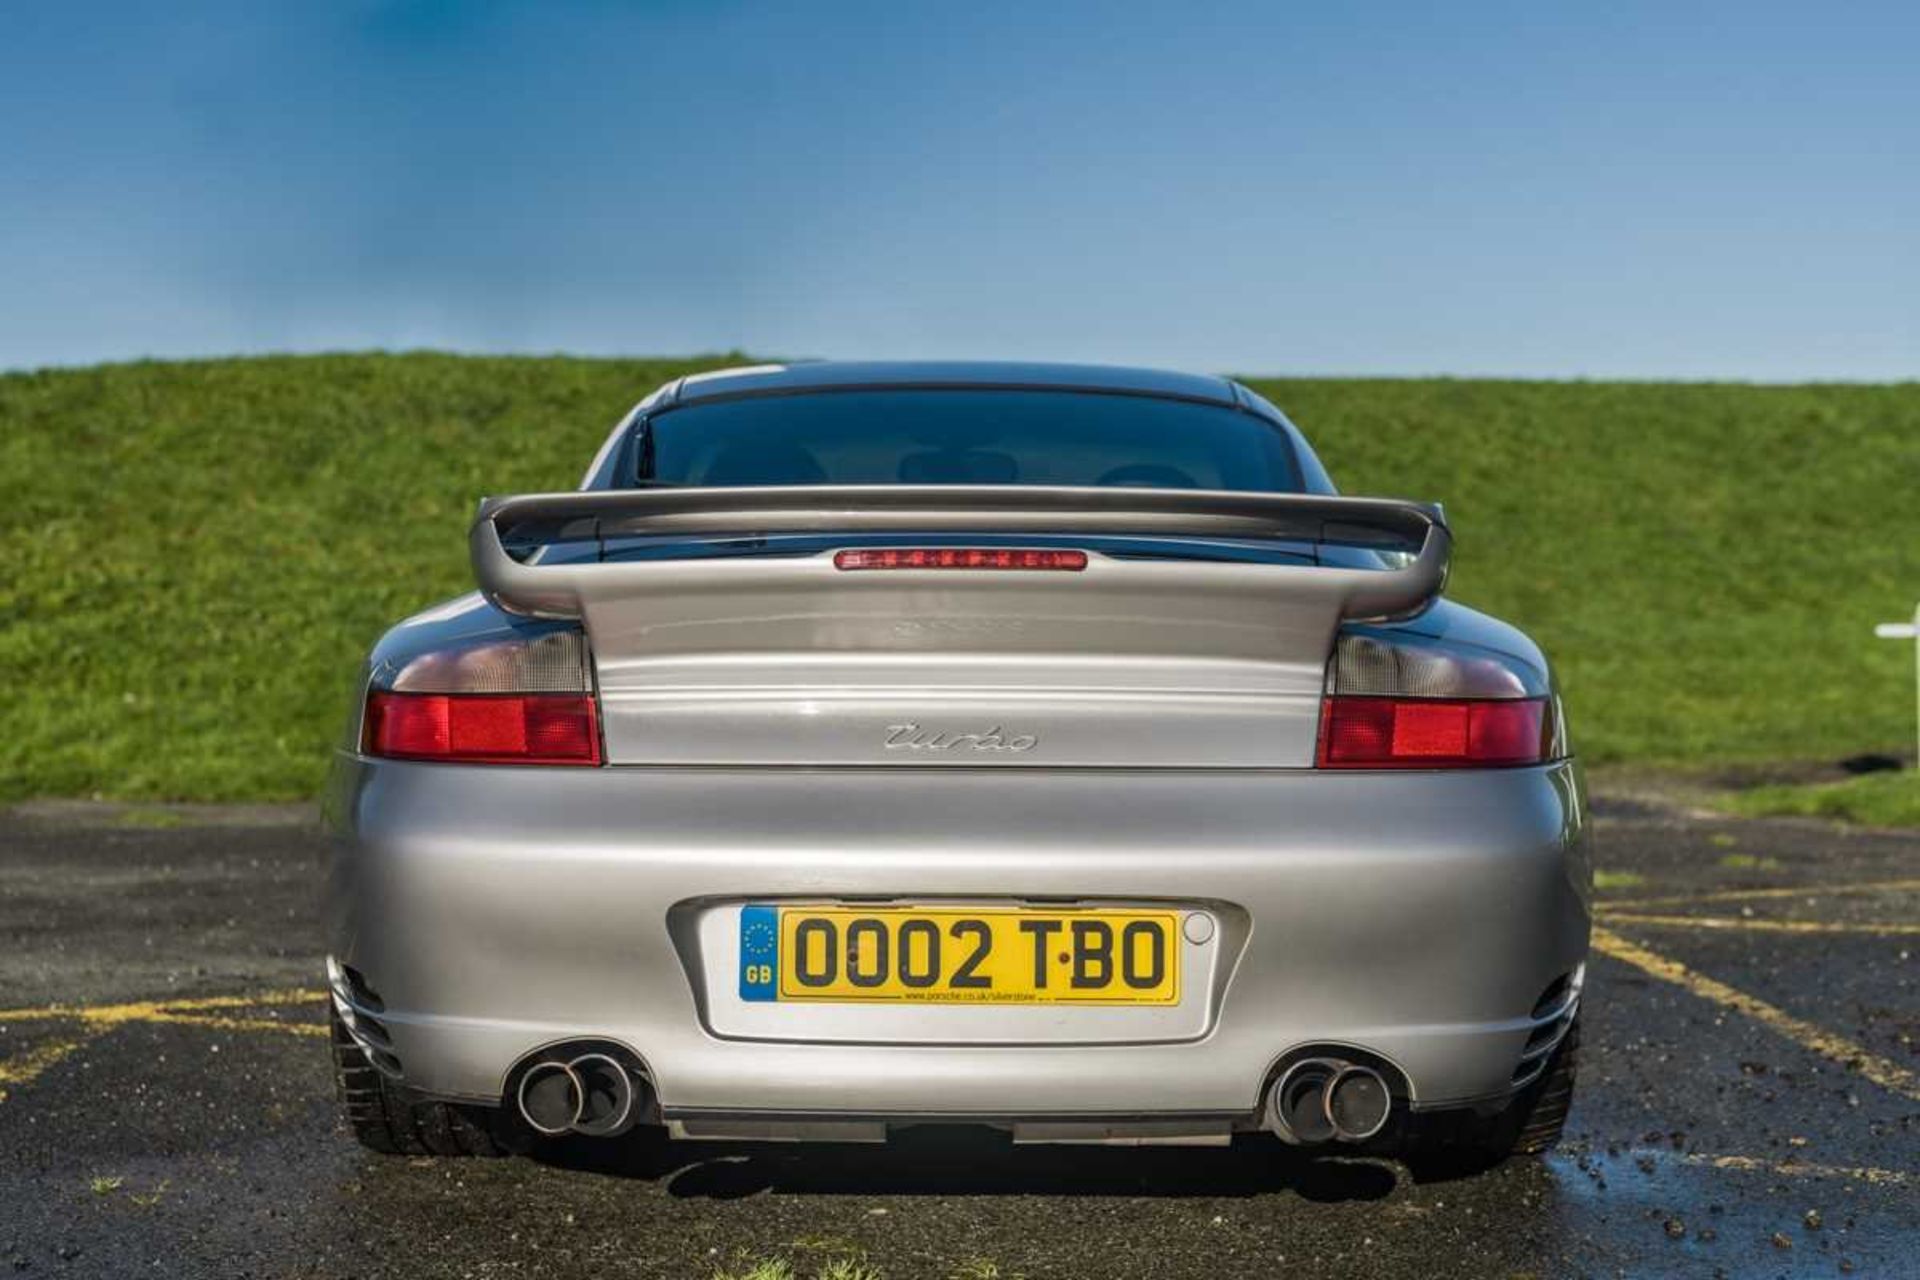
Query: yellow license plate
column 967, row 955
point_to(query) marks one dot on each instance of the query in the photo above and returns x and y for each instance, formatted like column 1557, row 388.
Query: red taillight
column 1432, row 733
column 517, row 728
column 960, row 558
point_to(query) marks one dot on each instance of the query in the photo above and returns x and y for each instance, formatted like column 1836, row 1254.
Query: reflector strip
column 961, row 558
column 547, row 729
column 1432, row 733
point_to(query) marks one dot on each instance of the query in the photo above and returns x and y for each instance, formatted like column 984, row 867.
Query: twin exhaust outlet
column 593, row 1095
column 1329, row 1100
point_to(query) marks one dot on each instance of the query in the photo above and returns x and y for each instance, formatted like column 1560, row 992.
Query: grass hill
column 195, row 554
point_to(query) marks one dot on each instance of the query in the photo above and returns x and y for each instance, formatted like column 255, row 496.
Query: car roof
column 821, row 375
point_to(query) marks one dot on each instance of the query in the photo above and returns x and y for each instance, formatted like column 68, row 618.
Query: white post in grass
column 1908, row 631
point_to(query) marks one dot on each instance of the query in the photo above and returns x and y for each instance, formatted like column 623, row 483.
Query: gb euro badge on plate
column 759, row 952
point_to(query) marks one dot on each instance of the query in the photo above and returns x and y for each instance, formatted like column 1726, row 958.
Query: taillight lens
column 525, row 697
column 514, row 728
column 545, row 662
column 1433, row 733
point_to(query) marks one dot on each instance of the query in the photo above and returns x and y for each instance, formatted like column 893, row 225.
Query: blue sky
column 1660, row 190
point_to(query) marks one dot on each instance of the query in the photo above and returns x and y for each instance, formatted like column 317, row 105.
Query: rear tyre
column 1541, row 1111
column 384, row 1118
column 1452, row 1143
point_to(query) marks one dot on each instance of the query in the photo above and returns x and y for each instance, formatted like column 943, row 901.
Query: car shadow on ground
column 959, row 1161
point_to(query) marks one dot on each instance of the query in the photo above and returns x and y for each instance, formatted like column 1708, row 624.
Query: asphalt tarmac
column 1749, row 1104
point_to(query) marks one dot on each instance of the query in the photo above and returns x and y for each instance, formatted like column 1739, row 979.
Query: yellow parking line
column 1761, row 926
column 246, row 1024
column 98, row 1019
column 1888, row 1075
column 1776, row 891
column 25, row 1068
column 157, row 1010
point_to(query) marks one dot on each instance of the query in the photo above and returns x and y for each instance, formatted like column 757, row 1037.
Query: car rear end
column 1094, row 814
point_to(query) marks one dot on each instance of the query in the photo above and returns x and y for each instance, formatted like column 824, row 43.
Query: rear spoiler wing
column 557, row 590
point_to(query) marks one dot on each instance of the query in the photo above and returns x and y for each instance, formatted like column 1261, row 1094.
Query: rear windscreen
column 966, row 436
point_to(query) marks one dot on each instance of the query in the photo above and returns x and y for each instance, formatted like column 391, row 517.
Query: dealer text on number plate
column 967, row 955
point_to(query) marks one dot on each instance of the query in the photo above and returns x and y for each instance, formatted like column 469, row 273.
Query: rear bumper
column 1418, row 917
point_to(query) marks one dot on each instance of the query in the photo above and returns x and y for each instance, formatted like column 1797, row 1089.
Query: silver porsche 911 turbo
column 1040, row 747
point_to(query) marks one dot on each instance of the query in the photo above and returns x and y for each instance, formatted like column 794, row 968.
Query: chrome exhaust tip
column 1321, row 1100
column 1297, row 1104
column 607, row 1095
column 551, row 1098
column 1357, row 1103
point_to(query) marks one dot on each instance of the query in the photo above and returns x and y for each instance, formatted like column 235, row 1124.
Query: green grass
column 1877, row 799
column 152, row 819
column 197, row 553
column 1704, row 563
column 1747, row 862
column 838, row 1268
